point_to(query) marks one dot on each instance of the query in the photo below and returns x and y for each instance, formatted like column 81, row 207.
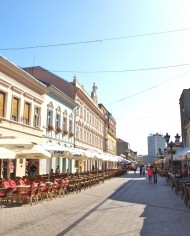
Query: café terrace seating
column 6, row 195
column 29, row 190
column 181, row 187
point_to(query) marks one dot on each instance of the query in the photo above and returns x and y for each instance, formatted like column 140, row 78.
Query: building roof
column 48, row 77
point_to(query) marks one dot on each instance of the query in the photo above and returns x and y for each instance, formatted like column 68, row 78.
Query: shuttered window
column 15, row 103
column 2, row 104
column 26, row 113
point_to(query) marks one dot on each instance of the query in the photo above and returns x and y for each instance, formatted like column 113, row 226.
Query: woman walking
column 150, row 173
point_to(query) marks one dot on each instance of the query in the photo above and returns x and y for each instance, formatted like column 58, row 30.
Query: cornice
column 62, row 95
column 21, row 76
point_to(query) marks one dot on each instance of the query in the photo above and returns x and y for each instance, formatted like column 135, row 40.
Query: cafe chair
column 6, row 195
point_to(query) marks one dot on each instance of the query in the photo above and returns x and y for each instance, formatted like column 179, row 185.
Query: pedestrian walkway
column 123, row 206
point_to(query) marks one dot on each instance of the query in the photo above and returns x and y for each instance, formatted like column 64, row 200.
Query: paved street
column 123, row 206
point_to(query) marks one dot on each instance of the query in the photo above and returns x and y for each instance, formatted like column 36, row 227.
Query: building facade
column 125, row 149
column 156, row 142
column 90, row 129
column 110, row 129
column 184, row 103
column 21, row 101
column 58, row 126
column 187, row 127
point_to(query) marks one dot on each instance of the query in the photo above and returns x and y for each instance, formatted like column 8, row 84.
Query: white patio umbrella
column 76, row 153
column 91, row 155
column 15, row 143
column 36, row 152
column 6, row 153
column 56, row 150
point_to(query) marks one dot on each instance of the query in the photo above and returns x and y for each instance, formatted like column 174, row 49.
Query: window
column 26, row 116
column 15, row 103
column 81, row 113
column 50, row 126
column 84, row 115
column 37, row 117
column 77, row 133
column 65, row 122
column 57, row 121
column 84, row 135
column 49, row 117
column 2, row 104
column 70, row 124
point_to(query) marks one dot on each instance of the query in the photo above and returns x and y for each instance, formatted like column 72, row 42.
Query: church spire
column 93, row 94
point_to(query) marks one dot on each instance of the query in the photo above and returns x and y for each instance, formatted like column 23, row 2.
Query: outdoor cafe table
column 23, row 186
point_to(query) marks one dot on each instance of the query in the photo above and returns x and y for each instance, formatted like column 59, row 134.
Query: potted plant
column 50, row 127
column 71, row 134
column 59, row 130
column 65, row 132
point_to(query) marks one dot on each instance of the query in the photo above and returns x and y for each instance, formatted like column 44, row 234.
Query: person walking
column 143, row 170
column 155, row 174
column 135, row 169
column 57, row 170
column 150, row 173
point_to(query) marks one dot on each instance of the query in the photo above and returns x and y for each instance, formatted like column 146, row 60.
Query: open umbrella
column 36, row 152
column 76, row 153
column 6, row 153
column 56, row 150
column 15, row 143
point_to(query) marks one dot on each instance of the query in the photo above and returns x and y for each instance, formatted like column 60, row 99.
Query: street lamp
column 171, row 145
column 177, row 138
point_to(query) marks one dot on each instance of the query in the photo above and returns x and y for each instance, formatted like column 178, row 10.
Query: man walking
column 155, row 174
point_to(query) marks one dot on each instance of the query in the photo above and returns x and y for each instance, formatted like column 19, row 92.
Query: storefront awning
column 182, row 154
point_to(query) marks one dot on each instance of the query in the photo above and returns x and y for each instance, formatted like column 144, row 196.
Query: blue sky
column 141, row 101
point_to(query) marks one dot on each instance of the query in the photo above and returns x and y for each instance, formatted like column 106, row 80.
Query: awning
column 182, row 154
column 123, row 160
column 6, row 153
column 36, row 152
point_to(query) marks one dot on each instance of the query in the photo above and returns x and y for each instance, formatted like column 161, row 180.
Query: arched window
column 58, row 119
column 65, row 128
column 50, row 115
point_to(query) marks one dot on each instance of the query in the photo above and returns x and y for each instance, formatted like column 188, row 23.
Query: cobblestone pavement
column 123, row 206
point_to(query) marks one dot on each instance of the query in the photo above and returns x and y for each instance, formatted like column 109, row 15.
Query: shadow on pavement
column 163, row 212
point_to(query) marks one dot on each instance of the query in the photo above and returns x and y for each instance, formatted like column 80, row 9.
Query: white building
column 58, row 126
column 155, row 142
column 21, row 99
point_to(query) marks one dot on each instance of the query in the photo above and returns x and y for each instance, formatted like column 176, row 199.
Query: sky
column 136, row 52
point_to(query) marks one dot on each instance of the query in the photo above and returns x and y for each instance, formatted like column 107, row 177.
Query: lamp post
column 161, row 157
column 171, row 145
